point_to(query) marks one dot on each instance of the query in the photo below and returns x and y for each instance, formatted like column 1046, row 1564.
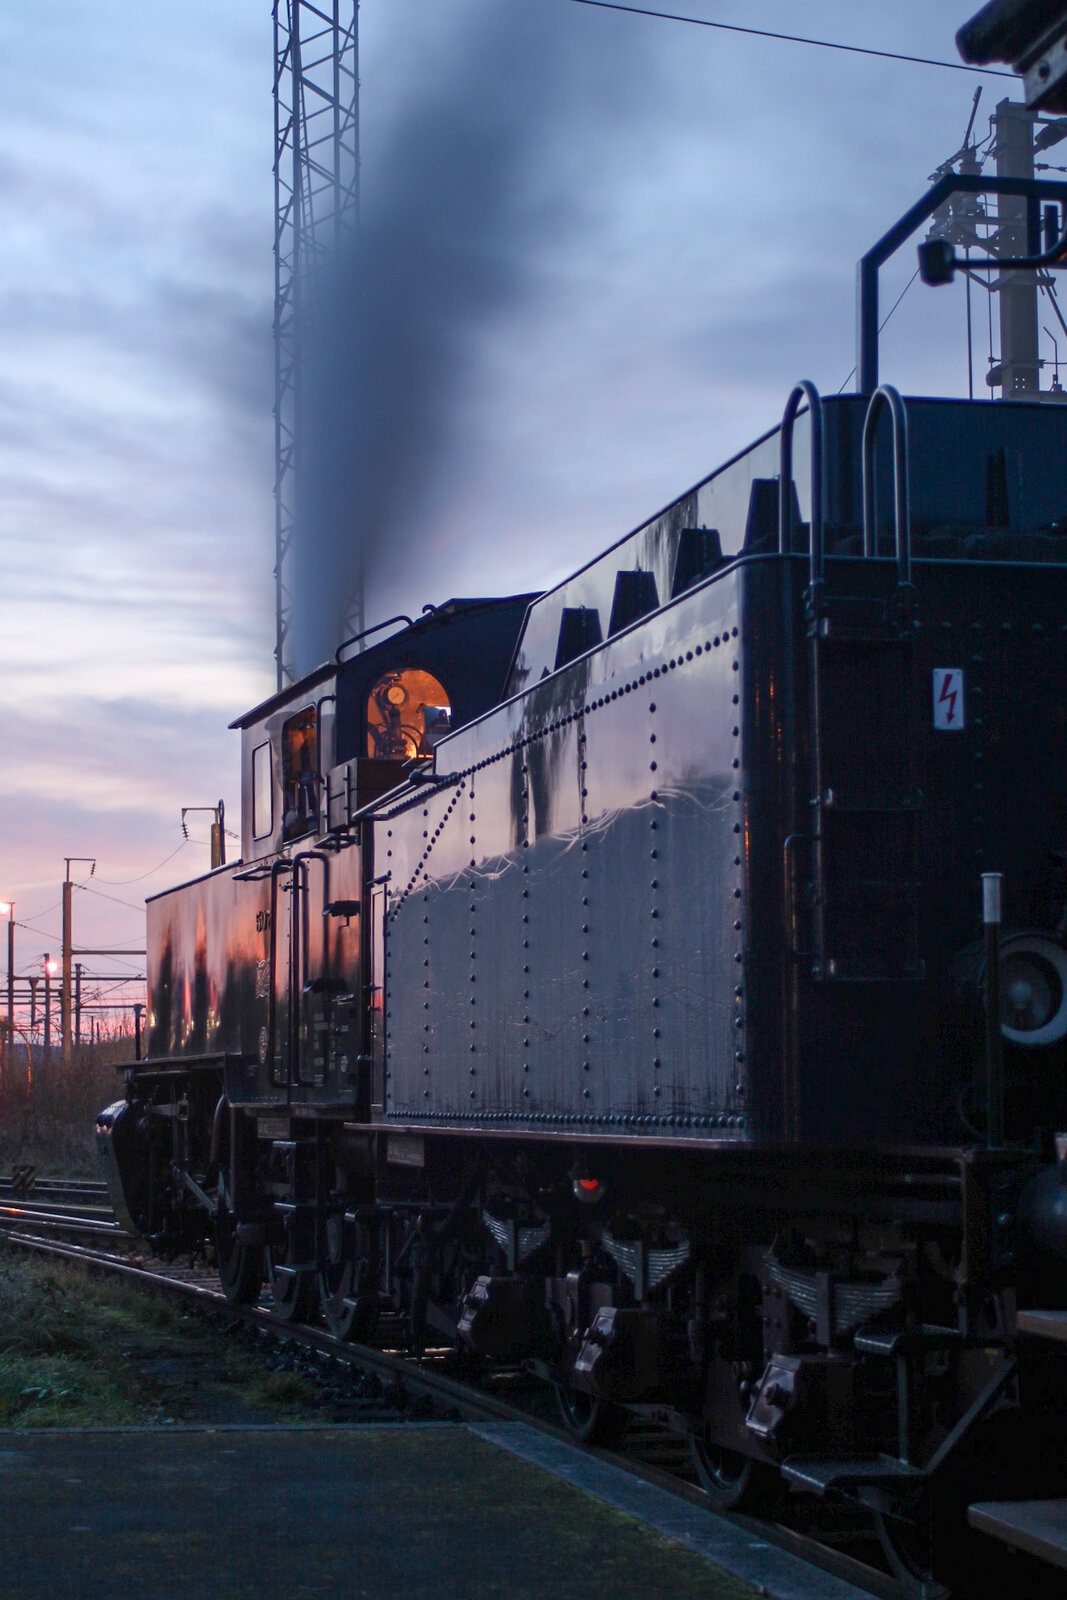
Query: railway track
column 77, row 1207
column 56, row 1191
column 838, row 1545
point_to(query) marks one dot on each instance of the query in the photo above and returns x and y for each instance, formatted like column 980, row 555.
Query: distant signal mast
column 316, row 195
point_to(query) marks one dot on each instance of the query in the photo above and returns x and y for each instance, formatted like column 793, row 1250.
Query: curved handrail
column 377, row 628
column 804, row 390
column 886, row 395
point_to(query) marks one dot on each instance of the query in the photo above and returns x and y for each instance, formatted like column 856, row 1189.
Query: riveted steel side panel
column 210, row 979
column 584, row 965
column 208, row 969
column 422, row 850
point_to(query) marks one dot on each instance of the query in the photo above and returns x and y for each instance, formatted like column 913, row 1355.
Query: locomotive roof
column 951, row 445
column 295, row 691
column 418, row 628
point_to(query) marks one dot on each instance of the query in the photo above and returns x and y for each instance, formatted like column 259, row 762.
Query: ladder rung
column 909, row 808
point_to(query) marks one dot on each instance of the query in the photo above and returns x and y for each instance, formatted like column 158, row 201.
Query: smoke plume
column 484, row 172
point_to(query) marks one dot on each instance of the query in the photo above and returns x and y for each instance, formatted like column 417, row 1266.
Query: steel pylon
column 316, row 193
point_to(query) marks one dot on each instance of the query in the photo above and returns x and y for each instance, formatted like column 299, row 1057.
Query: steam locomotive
column 602, row 982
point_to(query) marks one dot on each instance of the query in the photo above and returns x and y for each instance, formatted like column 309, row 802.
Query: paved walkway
column 438, row 1512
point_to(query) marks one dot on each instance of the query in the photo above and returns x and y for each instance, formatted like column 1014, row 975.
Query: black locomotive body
column 602, row 982
column 716, row 874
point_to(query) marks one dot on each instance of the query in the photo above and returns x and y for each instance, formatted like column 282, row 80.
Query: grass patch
column 60, row 1361
column 283, row 1389
column 60, row 1392
column 79, row 1351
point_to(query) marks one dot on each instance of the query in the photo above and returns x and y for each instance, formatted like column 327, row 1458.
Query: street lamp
column 50, row 969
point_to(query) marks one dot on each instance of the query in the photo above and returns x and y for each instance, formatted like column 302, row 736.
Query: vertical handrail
column 886, row 396
column 804, row 390
column 296, row 913
column 300, row 950
column 278, row 867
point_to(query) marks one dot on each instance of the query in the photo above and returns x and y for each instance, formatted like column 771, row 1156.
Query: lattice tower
column 316, row 192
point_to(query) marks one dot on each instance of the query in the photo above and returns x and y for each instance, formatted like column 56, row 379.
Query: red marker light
column 590, row 1185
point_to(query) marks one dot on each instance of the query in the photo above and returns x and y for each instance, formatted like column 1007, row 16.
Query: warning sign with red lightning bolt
column 948, row 699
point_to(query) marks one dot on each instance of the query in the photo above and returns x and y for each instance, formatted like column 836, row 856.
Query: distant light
column 51, row 967
column 7, row 908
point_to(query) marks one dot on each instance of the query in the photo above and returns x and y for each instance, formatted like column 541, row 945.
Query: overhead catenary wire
column 791, row 38
column 129, row 904
column 121, row 883
column 889, row 313
column 42, row 933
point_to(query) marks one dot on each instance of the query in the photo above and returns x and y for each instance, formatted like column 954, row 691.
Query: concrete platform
column 404, row 1513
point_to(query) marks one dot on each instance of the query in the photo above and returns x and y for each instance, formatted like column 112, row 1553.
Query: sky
column 672, row 239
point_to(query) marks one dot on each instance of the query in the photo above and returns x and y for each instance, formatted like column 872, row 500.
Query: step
column 895, row 1342
column 1038, row 1527
column 817, row 1474
column 1043, row 1324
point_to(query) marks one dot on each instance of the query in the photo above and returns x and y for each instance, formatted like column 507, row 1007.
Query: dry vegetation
column 77, row 1351
column 47, row 1111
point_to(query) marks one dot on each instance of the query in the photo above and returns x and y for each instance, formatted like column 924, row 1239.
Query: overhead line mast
column 316, row 201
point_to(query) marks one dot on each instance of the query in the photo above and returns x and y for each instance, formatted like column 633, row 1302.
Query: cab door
column 325, row 950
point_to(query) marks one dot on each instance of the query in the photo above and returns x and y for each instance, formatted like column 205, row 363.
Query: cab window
column 262, row 792
column 300, row 774
column 407, row 712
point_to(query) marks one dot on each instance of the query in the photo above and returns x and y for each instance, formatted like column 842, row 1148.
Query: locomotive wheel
column 588, row 1420
column 344, row 1321
column 339, row 1283
column 929, row 1546
column 932, row 1552
column 732, row 1481
column 240, row 1265
column 907, row 1548
column 293, row 1291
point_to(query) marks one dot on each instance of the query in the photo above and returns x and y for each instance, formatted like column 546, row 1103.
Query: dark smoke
column 485, row 173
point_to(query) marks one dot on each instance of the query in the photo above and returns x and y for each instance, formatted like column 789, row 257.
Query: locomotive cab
column 407, row 712
column 286, row 745
column 397, row 699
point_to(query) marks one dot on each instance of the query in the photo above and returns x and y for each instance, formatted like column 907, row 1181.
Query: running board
column 817, row 1474
column 1037, row 1527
